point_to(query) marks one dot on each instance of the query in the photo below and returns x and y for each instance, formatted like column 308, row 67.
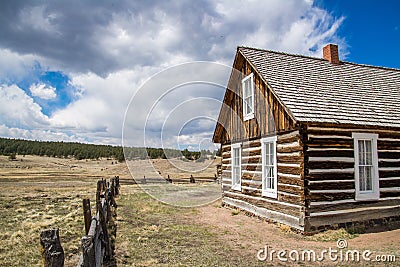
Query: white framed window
column 366, row 171
column 269, row 168
column 248, row 97
column 236, row 154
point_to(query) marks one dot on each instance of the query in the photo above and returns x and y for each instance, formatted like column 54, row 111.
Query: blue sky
column 371, row 30
column 69, row 69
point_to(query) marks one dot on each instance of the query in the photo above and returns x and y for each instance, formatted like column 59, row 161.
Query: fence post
column 98, row 194
column 88, row 252
column 117, row 185
column 87, row 214
column 52, row 251
column 103, row 225
column 112, row 186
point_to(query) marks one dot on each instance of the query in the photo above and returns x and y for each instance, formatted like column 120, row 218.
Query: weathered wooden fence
column 98, row 245
column 168, row 179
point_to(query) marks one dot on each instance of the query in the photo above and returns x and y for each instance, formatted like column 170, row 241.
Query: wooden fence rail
column 98, row 244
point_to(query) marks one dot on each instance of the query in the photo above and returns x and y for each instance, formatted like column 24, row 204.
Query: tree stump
column 52, row 252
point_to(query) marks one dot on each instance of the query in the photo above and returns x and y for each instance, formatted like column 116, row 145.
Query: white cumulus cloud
column 17, row 109
column 43, row 91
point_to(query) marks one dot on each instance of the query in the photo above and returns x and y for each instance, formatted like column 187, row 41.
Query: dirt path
column 252, row 234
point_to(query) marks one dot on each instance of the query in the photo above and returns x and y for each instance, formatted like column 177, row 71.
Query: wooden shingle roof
column 314, row 90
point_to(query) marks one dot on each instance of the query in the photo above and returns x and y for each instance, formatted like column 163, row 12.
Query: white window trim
column 273, row 193
column 239, row 185
column 251, row 114
column 374, row 194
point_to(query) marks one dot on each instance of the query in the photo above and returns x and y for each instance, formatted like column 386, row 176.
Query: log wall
column 330, row 182
column 289, row 207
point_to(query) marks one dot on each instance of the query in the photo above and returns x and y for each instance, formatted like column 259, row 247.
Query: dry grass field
column 40, row 192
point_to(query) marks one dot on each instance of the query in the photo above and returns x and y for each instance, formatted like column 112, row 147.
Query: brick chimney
column 331, row 54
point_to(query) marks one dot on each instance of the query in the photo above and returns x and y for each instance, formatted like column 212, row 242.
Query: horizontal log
column 252, row 176
column 226, row 175
column 252, row 160
column 389, row 183
column 389, row 163
column 329, row 176
column 352, row 205
column 263, row 203
column 329, row 132
column 226, row 155
column 226, row 148
column 348, row 131
column 287, row 137
column 226, row 161
column 251, row 192
column 252, row 183
column 330, row 143
column 387, row 194
column 251, row 153
column 331, row 153
column 388, row 145
column 329, row 165
column 388, row 155
column 289, row 180
column 226, row 187
column 290, row 189
column 253, row 143
column 256, row 167
column 226, row 167
column 292, row 221
column 388, row 174
column 354, row 215
column 294, row 199
column 330, row 196
column 290, row 170
column 339, row 185
column 288, row 147
column 288, row 158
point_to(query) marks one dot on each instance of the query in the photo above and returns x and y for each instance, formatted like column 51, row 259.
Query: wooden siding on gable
column 270, row 117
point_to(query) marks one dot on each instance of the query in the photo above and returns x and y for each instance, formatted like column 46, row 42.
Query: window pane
column 246, row 88
column 365, row 173
column 368, row 152
column 362, row 178
column 361, row 152
column 236, row 166
column 368, row 176
column 248, row 108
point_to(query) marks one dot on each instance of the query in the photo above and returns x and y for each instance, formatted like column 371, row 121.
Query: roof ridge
column 317, row 58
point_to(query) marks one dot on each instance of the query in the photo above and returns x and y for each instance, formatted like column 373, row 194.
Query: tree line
column 60, row 149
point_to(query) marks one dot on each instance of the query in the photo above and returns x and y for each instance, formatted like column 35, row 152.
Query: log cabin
column 312, row 143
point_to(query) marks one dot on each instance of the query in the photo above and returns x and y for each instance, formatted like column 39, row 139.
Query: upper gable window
column 248, row 97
